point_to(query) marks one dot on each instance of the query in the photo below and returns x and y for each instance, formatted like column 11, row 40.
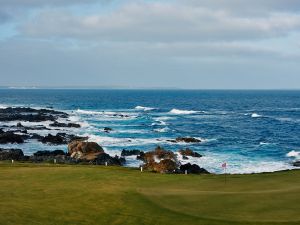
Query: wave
column 107, row 114
column 143, row 108
column 3, row 106
column 255, row 115
column 89, row 112
column 294, row 154
column 183, row 112
column 162, row 130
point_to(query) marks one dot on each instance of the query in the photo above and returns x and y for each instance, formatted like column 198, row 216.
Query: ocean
column 252, row 131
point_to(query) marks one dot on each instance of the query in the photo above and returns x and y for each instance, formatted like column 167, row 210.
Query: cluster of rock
column 78, row 152
column 18, row 134
column 296, row 164
column 185, row 140
column 163, row 161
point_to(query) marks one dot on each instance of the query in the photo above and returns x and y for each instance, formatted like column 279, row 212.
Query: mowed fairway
column 47, row 194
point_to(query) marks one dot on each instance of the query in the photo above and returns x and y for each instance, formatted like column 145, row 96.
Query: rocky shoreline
column 13, row 130
column 80, row 151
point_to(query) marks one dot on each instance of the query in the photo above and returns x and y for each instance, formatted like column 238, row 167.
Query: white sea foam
column 235, row 164
column 162, row 130
column 143, row 108
column 3, row 106
column 104, row 115
column 255, row 115
column 183, row 112
column 89, row 112
column 264, row 143
column 294, row 154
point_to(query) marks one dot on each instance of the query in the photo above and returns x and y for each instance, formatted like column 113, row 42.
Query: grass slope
column 47, row 194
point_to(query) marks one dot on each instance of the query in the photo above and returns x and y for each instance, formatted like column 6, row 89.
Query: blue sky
column 198, row 44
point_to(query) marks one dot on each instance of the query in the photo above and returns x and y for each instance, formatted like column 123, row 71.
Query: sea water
column 252, row 131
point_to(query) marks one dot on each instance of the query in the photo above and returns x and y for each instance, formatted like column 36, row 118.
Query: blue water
column 253, row 131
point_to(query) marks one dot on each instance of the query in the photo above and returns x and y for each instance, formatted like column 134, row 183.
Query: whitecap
column 182, row 112
column 3, row 106
column 162, row 130
column 255, row 115
column 89, row 112
column 143, row 108
column 294, row 154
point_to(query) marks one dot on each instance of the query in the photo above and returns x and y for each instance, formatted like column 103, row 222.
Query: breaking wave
column 183, row 112
column 143, row 108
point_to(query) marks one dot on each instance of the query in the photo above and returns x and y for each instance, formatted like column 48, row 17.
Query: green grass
column 49, row 194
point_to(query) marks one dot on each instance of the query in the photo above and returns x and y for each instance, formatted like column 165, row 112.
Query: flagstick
column 225, row 176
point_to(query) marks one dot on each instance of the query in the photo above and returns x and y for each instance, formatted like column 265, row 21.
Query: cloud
column 161, row 22
column 41, row 3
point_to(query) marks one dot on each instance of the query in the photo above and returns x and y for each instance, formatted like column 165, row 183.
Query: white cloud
column 161, row 22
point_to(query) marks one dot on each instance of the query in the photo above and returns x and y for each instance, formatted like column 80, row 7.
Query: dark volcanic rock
column 46, row 156
column 104, row 158
column 19, row 125
column 194, row 169
column 10, row 137
column 188, row 140
column 297, row 164
column 55, row 140
column 130, row 152
column 11, row 154
column 188, row 152
column 69, row 125
column 49, row 153
column 107, row 129
column 29, row 114
column 59, row 138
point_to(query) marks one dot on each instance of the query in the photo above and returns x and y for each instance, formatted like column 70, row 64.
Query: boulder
column 69, row 125
column 188, row 152
column 10, row 137
column 165, row 166
column 130, row 152
column 11, row 154
column 159, row 153
column 107, row 129
column 59, row 138
column 49, row 153
column 84, row 150
column 296, row 164
column 188, row 140
column 193, row 168
column 103, row 159
column 55, row 140
column 46, row 156
column 159, row 160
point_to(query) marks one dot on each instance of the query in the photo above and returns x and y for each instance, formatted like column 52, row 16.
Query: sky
column 192, row 44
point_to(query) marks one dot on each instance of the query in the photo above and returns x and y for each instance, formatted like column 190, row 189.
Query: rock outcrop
column 84, row 150
column 10, row 137
column 67, row 125
column 193, row 169
column 130, row 152
column 188, row 152
column 159, row 160
column 296, row 164
column 47, row 156
column 188, row 140
column 11, row 154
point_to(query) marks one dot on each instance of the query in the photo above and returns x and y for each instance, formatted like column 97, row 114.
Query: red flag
column 224, row 165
